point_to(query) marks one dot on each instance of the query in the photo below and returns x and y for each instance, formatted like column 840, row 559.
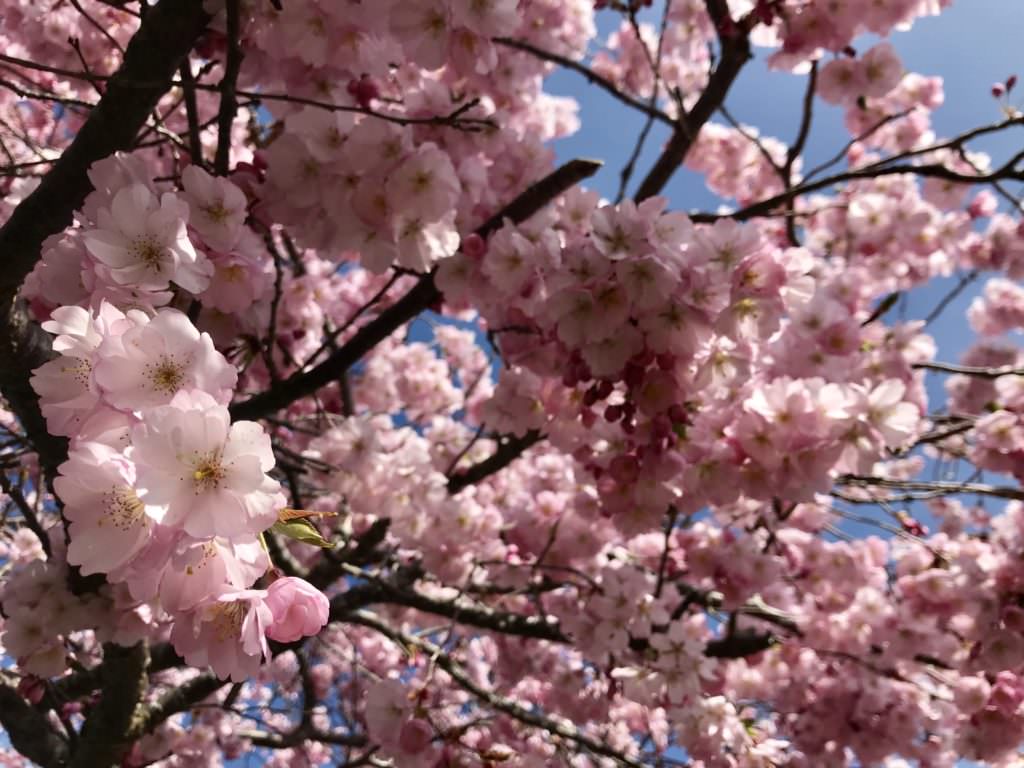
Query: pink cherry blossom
column 217, row 208
column 110, row 525
column 226, row 634
column 203, row 570
column 154, row 359
column 141, row 240
column 208, row 474
column 697, row 474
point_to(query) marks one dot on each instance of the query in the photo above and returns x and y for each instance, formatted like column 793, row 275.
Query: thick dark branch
column 508, row 451
column 937, row 436
column 540, row 193
column 30, row 732
column 154, row 54
column 106, row 733
column 188, row 88
column 399, row 591
column 78, row 684
column 22, row 339
column 295, row 738
column 421, row 297
column 228, row 98
column 740, row 644
column 176, row 700
column 156, row 51
column 502, row 622
column 735, row 53
column 755, row 608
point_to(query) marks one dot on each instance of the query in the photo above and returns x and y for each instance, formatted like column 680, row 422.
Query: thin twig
column 601, row 82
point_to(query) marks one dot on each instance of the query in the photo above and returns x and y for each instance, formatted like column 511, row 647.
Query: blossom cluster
column 163, row 492
column 660, row 322
column 632, row 519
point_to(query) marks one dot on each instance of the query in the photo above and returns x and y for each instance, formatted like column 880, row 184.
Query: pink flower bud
column 299, row 609
column 364, row 90
column 474, row 246
column 998, row 90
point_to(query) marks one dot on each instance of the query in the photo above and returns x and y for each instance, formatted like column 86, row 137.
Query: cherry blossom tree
column 340, row 425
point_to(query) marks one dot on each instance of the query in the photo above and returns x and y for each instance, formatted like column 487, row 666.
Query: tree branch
column 421, row 297
column 228, row 99
column 603, row 83
column 735, row 53
column 507, row 452
column 936, row 486
column 176, row 700
column 26, row 510
column 154, row 54
column 30, row 732
column 106, row 733
column 969, row 370
column 510, row 707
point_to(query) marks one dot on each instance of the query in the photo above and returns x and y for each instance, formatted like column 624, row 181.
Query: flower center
column 227, row 621
column 149, row 252
column 208, row 473
column 166, row 375
column 216, row 212
column 80, row 372
column 209, row 552
column 234, row 273
column 122, row 508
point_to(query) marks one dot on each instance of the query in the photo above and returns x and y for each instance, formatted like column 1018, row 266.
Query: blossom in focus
column 207, row 474
column 142, row 240
column 109, row 524
column 227, row 634
column 156, row 358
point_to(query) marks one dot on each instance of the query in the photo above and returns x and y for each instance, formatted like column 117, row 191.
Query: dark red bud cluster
column 211, row 45
column 364, row 90
column 1003, row 89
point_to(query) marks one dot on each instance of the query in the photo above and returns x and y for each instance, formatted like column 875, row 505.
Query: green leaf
column 301, row 530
